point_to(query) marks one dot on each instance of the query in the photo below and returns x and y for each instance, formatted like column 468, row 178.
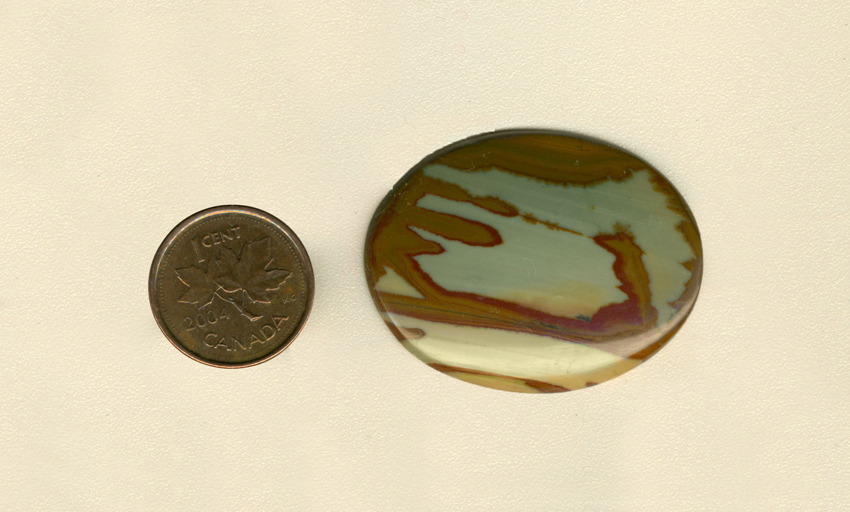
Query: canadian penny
column 231, row 286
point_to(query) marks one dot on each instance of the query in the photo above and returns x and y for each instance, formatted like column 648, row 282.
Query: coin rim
column 281, row 226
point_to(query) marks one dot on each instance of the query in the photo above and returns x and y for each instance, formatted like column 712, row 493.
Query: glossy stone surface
column 533, row 262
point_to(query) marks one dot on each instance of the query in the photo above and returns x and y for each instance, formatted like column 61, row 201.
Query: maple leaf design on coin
column 241, row 281
column 202, row 288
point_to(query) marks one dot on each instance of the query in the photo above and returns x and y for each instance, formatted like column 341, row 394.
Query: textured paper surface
column 117, row 120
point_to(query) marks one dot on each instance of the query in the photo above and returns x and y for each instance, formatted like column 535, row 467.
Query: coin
column 231, row 286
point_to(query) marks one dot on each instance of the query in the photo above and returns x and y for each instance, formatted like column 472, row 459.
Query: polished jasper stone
column 533, row 262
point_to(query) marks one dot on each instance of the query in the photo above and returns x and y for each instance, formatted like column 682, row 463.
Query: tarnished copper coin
column 231, row 286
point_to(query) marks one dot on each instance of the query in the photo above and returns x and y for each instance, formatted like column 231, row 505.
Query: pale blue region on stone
column 393, row 283
column 566, row 274
column 592, row 210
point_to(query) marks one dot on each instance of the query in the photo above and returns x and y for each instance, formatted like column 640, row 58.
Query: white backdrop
column 119, row 119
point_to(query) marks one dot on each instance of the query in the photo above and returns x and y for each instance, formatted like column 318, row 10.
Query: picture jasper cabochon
column 533, row 261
